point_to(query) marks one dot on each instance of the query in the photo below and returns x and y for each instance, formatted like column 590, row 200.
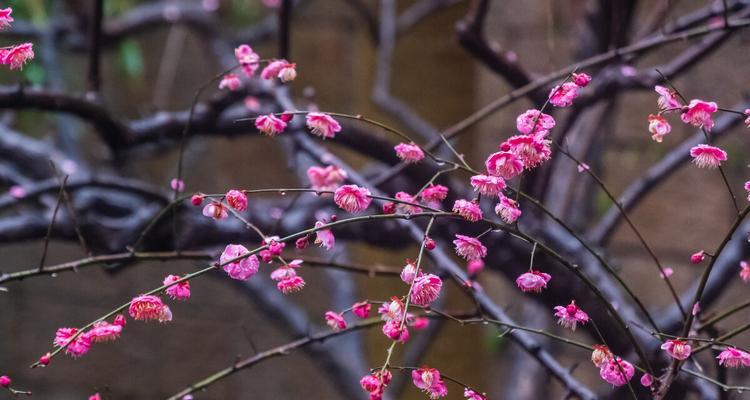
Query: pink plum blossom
column 612, row 371
column 5, row 18
column 324, row 237
column 241, row 269
column 699, row 113
column 706, row 156
column 504, row 164
column 469, row 248
column 525, row 123
column 734, row 358
column 323, row 125
column 248, row 59
column 291, row 285
column 103, row 331
column 215, row 210
column 392, row 310
column 409, row 272
column 532, row 150
column 677, row 349
column 472, row 395
column 533, row 281
column 149, row 307
column 177, row 185
column 744, row 271
column 394, row 331
column 236, row 199
column 434, row 194
column 179, row 291
column 426, row 289
column 326, row 178
column 600, row 355
column 487, row 185
column 667, row 98
column 659, row 127
column 563, row 95
column 429, row 381
column 18, row 55
column 468, row 209
column 571, row 315
column 362, row 309
column 409, row 152
column 352, row 198
column 230, row 81
column 75, row 347
column 698, row 257
column 335, row 321
column 473, row 267
column 270, row 125
column 272, row 70
column 507, row 209
column 288, row 72
column 17, row 192
column 581, row 79
column 409, row 203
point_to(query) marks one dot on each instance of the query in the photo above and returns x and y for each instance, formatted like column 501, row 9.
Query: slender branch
column 630, row 223
column 636, row 48
column 51, row 224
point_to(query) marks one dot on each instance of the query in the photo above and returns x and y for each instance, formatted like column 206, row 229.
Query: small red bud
column 286, row 117
column 44, row 360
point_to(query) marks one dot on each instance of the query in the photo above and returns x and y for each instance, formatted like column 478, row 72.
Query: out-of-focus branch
column 470, row 33
column 640, row 47
column 381, row 93
column 658, row 174
column 95, row 39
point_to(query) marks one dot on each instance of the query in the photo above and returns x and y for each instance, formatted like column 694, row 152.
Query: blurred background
column 160, row 69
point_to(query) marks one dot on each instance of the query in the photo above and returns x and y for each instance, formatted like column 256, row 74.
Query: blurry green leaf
column 37, row 11
column 131, row 59
column 34, row 73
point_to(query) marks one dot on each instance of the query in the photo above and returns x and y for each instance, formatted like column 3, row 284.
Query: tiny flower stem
column 718, row 341
column 725, row 387
column 190, row 276
column 674, row 367
column 52, row 223
column 619, row 366
column 442, row 375
column 721, row 339
column 434, row 177
column 181, row 255
column 531, row 259
column 408, row 296
column 183, row 144
column 632, row 226
column 723, row 315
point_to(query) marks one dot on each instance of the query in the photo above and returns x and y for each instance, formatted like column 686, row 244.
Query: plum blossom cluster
column 249, row 62
column 15, row 56
column 698, row 113
column 147, row 307
column 320, row 124
column 612, row 369
column 77, row 343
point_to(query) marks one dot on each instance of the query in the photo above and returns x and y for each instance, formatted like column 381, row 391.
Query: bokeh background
column 336, row 59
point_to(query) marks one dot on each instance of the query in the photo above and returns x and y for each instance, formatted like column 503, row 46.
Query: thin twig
column 52, row 224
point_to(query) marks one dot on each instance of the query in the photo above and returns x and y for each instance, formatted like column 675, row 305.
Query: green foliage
column 130, row 59
column 34, row 73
